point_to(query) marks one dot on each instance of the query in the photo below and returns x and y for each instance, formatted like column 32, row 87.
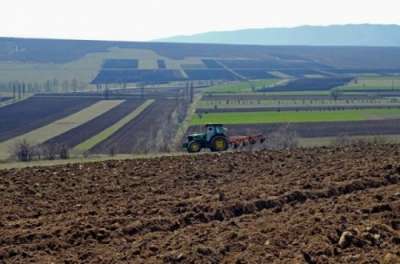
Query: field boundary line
column 60, row 126
column 103, row 135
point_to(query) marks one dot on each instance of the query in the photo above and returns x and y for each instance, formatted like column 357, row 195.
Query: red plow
column 243, row 141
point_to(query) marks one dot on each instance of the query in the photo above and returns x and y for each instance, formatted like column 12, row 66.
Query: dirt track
column 306, row 206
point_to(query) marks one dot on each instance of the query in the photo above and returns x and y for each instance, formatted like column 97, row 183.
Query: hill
column 336, row 35
column 58, row 51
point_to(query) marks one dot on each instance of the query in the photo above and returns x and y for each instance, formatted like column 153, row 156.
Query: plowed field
column 318, row 205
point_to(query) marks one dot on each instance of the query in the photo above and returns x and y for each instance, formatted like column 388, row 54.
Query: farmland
column 87, row 130
column 27, row 115
column 134, row 76
column 151, row 131
column 295, row 116
column 212, row 74
column 309, row 84
column 327, row 205
column 240, row 87
column 90, row 143
column 316, row 130
column 378, row 83
column 58, row 127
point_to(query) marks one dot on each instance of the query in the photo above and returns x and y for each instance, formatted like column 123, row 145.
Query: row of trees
column 49, row 86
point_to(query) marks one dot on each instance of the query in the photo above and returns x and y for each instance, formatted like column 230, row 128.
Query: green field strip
column 93, row 141
column 60, row 126
column 294, row 116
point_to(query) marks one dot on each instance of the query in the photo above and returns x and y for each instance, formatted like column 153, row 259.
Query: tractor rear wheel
column 194, row 147
column 219, row 143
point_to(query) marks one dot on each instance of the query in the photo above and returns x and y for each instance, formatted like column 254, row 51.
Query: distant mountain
column 337, row 35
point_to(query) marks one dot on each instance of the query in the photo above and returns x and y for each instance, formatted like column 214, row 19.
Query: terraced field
column 320, row 205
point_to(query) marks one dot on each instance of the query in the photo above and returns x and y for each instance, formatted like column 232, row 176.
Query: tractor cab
column 214, row 138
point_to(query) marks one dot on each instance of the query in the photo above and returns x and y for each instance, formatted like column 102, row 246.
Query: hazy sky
column 151, row 19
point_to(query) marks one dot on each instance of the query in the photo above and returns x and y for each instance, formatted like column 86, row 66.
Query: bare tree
column 63, row 151
column 23, row 151
column 49, row 151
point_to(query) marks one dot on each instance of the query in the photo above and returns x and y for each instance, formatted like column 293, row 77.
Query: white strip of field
column 60, row 126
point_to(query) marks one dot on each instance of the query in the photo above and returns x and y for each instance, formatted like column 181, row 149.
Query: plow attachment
column 243, row 141
column 216, row 139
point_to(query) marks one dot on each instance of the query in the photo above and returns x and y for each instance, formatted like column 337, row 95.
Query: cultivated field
column 153, row 130
column 378, row 83
column 35, row 112
column 295, row 116
column 241, row 87
column 316, row 130
column 58, row 127
column 92, row 128
column 321, row 205
column 97, row 139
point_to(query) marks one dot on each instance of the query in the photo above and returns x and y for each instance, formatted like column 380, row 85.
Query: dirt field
column 150, row 132
column 306, row 206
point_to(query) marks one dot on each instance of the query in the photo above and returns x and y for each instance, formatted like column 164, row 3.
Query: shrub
column 283, row 138
column 23, row 151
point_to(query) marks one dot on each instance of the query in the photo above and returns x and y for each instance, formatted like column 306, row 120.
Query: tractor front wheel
column 194, row 147
column 219, row 143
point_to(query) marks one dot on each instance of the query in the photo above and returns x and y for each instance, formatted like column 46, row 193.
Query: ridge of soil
column 318, row 205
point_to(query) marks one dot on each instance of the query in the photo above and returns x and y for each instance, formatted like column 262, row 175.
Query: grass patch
column 93, row 141
column 293, row 116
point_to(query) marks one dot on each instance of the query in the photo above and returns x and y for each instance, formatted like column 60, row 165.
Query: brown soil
column 317, row 205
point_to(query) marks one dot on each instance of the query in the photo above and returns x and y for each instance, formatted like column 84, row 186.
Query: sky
column 142, row 20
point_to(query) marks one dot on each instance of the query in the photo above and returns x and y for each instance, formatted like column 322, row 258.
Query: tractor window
column 220, row 130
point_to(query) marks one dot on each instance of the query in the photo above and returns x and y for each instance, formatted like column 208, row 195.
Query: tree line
column 19, row 88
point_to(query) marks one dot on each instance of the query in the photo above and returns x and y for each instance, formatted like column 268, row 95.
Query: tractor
column 216, row 139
